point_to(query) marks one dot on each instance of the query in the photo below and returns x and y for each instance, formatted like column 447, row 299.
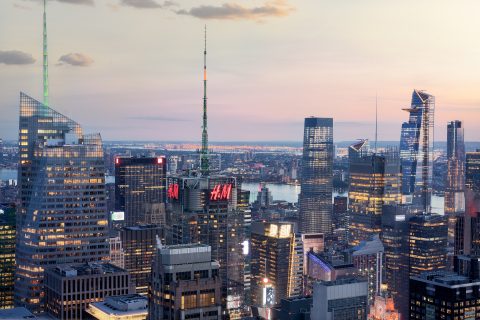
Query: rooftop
column 74, row 270
column 446, row 279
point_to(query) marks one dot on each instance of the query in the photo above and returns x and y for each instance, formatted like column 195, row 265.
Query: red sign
column 172, row 192
column 221, row 192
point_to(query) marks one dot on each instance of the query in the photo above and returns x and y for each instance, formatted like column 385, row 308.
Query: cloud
column 83, row 2
column 76, row 59
column 15, row 57
column 147, row 4
column 235, row 11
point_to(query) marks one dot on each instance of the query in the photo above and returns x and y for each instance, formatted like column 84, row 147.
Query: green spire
column 204, row 165
column 45, row 55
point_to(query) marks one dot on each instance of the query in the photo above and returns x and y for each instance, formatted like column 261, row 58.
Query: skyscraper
column 472, row 204
column 275, row 263
column 472, row 171
column 374, row 182
column 416, row 151
column 454, row 189
column 140, row 189
column 315, row 199
column 62, row 216
column 7, row 254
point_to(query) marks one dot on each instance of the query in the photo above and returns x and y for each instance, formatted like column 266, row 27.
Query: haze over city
column 133, row 69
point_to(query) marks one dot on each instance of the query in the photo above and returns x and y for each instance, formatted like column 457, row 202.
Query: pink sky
column 270, row 64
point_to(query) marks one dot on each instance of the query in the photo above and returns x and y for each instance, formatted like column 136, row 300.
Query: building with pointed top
column 416, row 151
column 62, row 216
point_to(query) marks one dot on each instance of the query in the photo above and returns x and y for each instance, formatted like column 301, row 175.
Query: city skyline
column 163, row 78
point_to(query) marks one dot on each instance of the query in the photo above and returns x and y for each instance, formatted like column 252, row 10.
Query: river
column 290, row 193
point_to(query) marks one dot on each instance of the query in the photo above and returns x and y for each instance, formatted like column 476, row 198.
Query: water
column 290, row 193
column 7, row 174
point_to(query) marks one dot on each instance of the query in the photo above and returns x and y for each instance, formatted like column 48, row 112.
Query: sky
column 132, row 69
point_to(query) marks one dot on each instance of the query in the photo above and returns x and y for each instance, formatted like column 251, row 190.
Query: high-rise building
column 315, row 199
column 311, row 242
column 416, row 151
column 117, row 254
column 340, row 212
column 395, row 241
column 344, row 299
column 206, row 209
column 374, row 182
column 472, row 171
column 7, row 254
column 276, row 263
column 70, row 288
column 367, row 257
column 139, row 246
column 264, row 197
column 444, row 295
column 185, row 284
column 62, row 216
column 455, row 184
column 427, row 243
column 140, row 189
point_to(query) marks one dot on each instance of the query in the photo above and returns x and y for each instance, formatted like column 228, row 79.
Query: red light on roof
column 159, row 160
column 117, row 160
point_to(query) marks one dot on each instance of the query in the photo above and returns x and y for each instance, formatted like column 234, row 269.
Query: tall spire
column 204, row 165
column 45, row 55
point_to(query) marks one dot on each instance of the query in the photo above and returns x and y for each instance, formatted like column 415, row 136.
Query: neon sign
column 172, row 192
column 221, row 192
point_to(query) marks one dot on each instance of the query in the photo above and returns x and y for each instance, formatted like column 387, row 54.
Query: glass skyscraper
column 315, row 199
column 416, row 150
column 62, row 216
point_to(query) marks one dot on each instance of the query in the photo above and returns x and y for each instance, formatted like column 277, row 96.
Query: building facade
column 139, row 246
column 315, row 199
column 62, row 216
column 185, row 284
column 140, row 189
column 276, row 263
column 416, row 151
column 70, row 288
column 126, row 307
column 7, row 254
column 375, row 181
column 344, row 299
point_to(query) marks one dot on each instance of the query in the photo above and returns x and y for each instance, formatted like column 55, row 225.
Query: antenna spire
column 204, row 165
column 45, row 55
column 376, row 122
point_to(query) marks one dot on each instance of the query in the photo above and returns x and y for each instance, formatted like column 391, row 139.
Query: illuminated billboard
column 117, row 216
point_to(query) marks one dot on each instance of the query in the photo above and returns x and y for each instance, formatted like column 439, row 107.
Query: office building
column 185, row 284
column 344, row 299
column 374, row 182
column 472, row 171
column 140, row 189
column 315, row 199
column 416, row 151
column 139, row 247
column 444, row 295
column 311, row 242
column 276, row 263
column 427, row 243
column 207, row 210
column 297, row 308
column 62, row 216
column 368, row 258
column 70, row 288
column 327, row 267
column 395, row 241
column 264, row 197
column 455, row 184
column 7, row 254
column 127, row 307
column 340, row 212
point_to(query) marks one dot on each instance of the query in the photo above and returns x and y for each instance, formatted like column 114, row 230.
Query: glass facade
column 374, row 182
column 62, row 216
column 140, row 184
column 416, row 150
column 7, row 255
column 315, row 199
